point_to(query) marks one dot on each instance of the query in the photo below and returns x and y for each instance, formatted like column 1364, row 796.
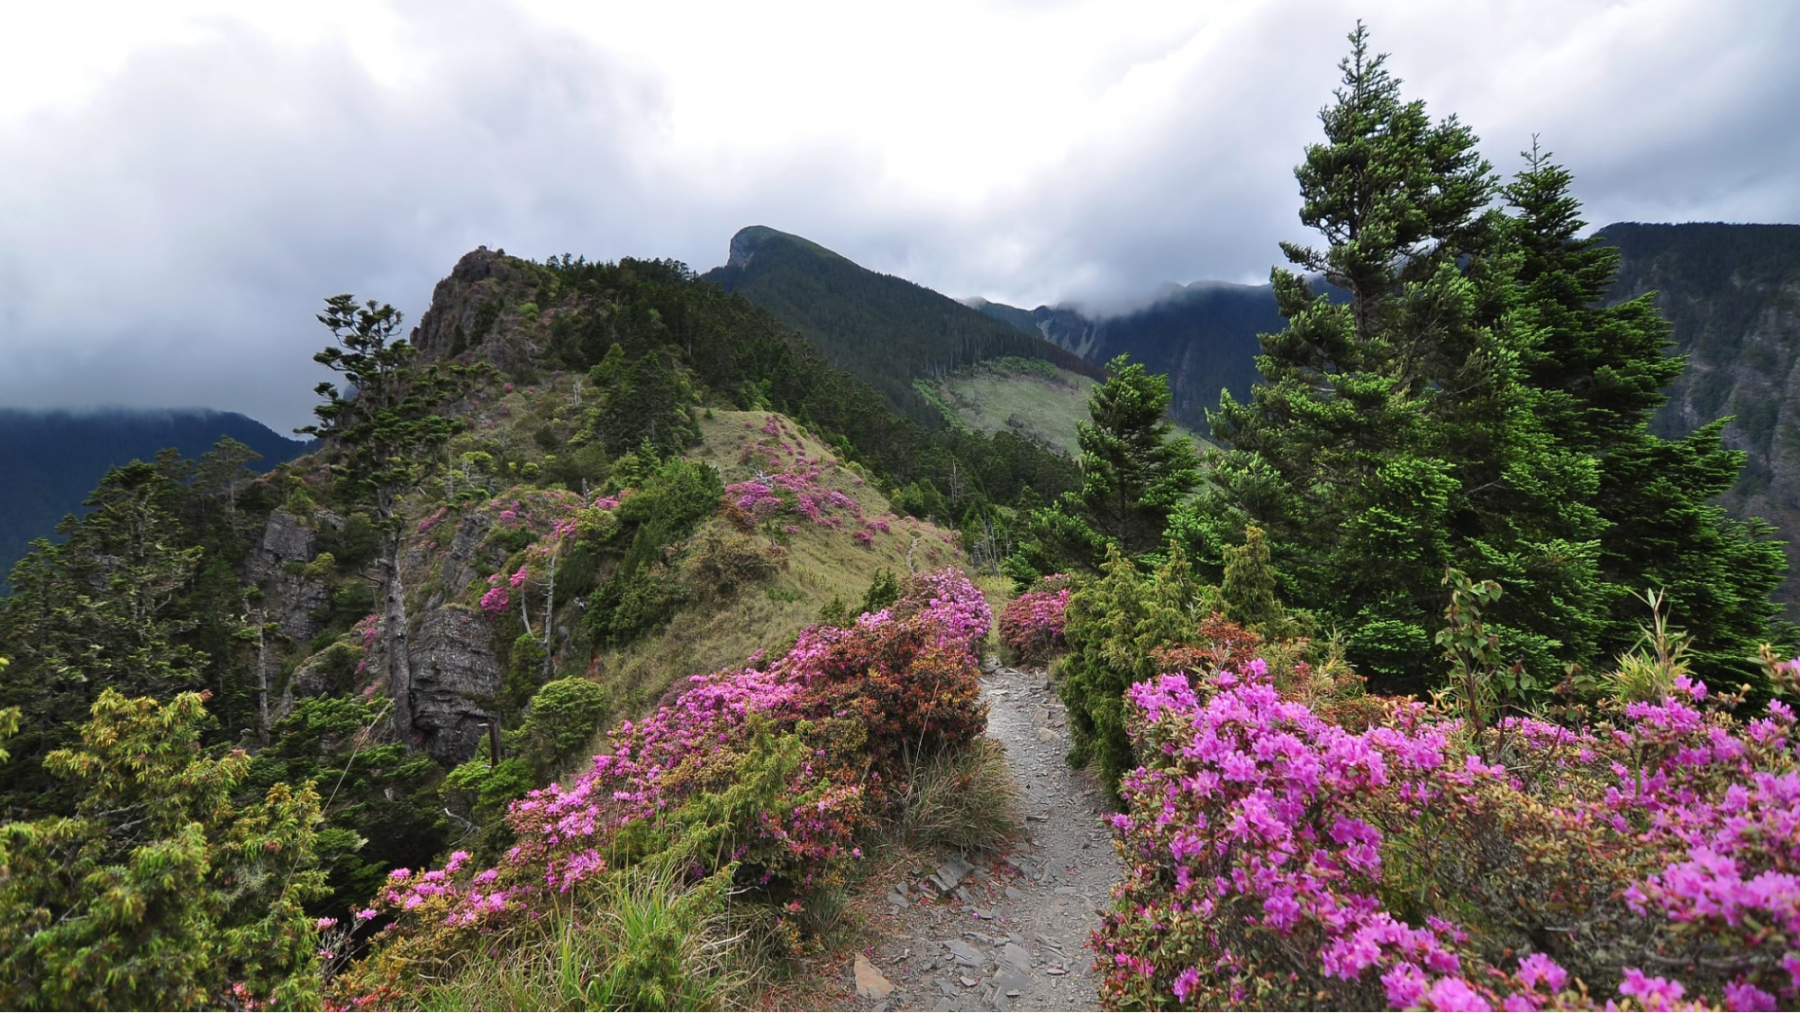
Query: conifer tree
column 1134, row 470
column 1396, row 431
column 225, row 468
column 388, row 429
column 107, row 608
column 1463, row 402
column 1603, row 370
column 158, row 893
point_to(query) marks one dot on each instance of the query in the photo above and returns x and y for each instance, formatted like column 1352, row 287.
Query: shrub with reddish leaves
column 1031, row 625
column 1277, row 860
column 766, row 776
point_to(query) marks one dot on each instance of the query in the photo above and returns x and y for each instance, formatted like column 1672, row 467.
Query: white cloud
column 180, row 184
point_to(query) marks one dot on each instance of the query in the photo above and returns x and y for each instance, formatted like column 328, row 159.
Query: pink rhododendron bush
column 1031, row 625
column 1362, row 853
column 761, row 779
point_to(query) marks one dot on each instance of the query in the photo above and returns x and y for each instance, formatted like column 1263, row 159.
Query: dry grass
column 964, row 799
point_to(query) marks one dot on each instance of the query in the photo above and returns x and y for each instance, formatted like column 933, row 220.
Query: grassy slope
column 1029, row 404
column 822, row 563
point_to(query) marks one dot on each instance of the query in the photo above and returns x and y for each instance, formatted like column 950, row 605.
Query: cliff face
column 1731, row 294
column 482, row 308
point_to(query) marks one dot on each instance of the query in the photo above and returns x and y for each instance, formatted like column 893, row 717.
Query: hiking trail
column 1004, row 931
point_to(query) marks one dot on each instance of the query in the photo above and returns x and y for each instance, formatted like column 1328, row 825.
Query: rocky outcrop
column 478, row 309
column 292, row 599
column 463, row 562
column 455, row 680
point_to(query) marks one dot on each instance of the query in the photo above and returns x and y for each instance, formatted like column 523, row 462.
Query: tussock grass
column 964, row 799
column 645, row 941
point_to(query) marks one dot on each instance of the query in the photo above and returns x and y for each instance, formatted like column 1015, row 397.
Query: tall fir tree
column 1396, row 432
column 1603, row 370
column 1134, row 469
column 388, row 430
column 1463, row 402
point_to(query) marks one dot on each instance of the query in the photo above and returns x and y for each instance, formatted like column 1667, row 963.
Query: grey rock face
column 475, row 309
column 455, row 675
column 289, row 599
column 462, row 563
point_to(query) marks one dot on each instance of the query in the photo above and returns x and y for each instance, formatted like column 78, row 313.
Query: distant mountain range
column 883, row 330
column 1202, row 335
column 1730, row 292
column 52, row 460
column 1732, row 295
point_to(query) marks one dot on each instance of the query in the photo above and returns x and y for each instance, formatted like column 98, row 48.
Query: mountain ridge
column 882, row 329
column 54, row 458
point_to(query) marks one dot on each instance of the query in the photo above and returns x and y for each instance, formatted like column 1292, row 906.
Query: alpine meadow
column 1404, row 634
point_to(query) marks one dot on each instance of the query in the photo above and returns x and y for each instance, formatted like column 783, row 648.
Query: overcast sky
column 181, row 183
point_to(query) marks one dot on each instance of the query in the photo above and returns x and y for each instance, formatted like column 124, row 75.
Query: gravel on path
column 1007, row 931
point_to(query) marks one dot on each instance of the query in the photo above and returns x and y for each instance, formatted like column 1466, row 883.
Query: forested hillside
column 573, row 486
column 1731, row 294
column 52, row 460
column 884, row 331
column 1203, row 337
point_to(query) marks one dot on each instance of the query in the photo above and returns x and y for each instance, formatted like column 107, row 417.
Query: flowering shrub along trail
column 1031, row 625
column 763, row 775
column 1352, row 852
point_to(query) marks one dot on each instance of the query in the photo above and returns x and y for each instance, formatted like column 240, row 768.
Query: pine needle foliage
column 1456, row 398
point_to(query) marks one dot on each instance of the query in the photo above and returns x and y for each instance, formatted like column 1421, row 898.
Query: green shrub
column 351, row 601
column 563, row 717
column 631, row 604
column 524, row 673
column 335, row 667
column 724, row 562
column 576, row 572
column 639, row 598
column 159, row 893
column 511, row 540
column 357, row 542
column 884, row 590
column 1113, row 625
column 477, row 793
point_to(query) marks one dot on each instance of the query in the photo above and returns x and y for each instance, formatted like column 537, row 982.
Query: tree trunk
column 262, row 674
column 394, row 633
column 549, row 613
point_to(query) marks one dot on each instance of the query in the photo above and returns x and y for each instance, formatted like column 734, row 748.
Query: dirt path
column 1003, row 932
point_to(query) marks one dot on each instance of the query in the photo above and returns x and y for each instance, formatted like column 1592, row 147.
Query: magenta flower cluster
column 946, row 598
column 795, row 492
column 1257, row 837
column 768, row 718
column 1031, row 625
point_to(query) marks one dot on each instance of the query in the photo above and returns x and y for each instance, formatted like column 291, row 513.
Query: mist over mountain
column 1202, row 335
column 53, row 459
